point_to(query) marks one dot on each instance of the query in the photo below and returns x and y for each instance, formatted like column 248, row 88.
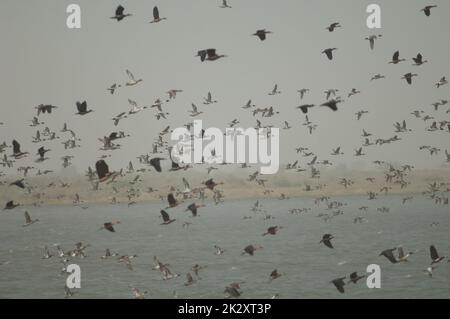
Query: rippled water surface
column 295, row 250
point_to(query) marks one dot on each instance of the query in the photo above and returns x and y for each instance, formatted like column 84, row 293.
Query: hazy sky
column 42, row 61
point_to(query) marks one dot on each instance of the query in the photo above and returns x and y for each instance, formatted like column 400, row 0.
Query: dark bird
column 339, row 284
column 156, row 17
column 418, row 60
column 332, row 104
column 250, row 249
column 333, row 26
column 28, row 220
column 193, row 208
column 82, row 108
column 329, row 53
column 110, row 226
column 396, row 59
column 272, row 230
column 45, row 108
column 156, row 163
column 326, row 240
column 408, row 77
column 17, row 153
column 209, row 55
column 210, row 184
column 427, row 10
column 119, row 16
column 41, row 153
column 19, row 183
column 354, row 277
column 166, row 218
column 389, row 254
column 435, row 258
column 261, row 34
column 102, row 170
column 275, row 274
column 172, row 201
column 305, row 107
column 10, row 205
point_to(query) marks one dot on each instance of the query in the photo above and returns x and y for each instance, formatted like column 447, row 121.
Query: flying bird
column 326, row 240
column 329, row 53
column 82, row 108
column 261, row 34
column 119, row 15
column 427, row 10
column 156, row 17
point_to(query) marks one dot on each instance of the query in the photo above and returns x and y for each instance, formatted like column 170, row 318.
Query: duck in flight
column 339, row 284
column 166, row 218
column 402, row 257
column 427, row 10
column 442, row 81
column 45, row 108
column 326, row 240
column 389, row 254
column 82, row 108
column 305, row 107
column 209, row 55
column 329, row 53
column 261, row 34
column 156, row 163
column 372, row 39
column 302, row 93
column 418, row 60
column 132, row 81
column 408, row 77
column 19, row 183
column 377, row 77
column 275, row 90
column 156, row 17
column 17, row 153
column 41, row 153
column 435, row 258
column 103, row 172
column 333, row 26
column 28, row 220
column 396, row 58
column 332, row 104
column 250, row 249
column 172, row 201
column 119, row 15
column 354, row 277
column 109, row 226
column 193, row 208
column 272, row 230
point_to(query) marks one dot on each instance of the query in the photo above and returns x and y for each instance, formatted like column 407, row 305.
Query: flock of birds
column 193, row 198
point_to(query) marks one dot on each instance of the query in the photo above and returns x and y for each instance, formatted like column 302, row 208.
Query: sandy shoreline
column 49, row 190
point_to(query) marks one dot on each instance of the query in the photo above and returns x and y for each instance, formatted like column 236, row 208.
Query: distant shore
column 48, row 190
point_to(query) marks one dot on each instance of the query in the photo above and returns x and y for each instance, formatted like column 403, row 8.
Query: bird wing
column 16, row 147
column 155, row 13
column 433, row 253
column 102, row 169
column 119, row 10
column 165, row 216
column 171, row 199
column 396, row 55
column 130, row 75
